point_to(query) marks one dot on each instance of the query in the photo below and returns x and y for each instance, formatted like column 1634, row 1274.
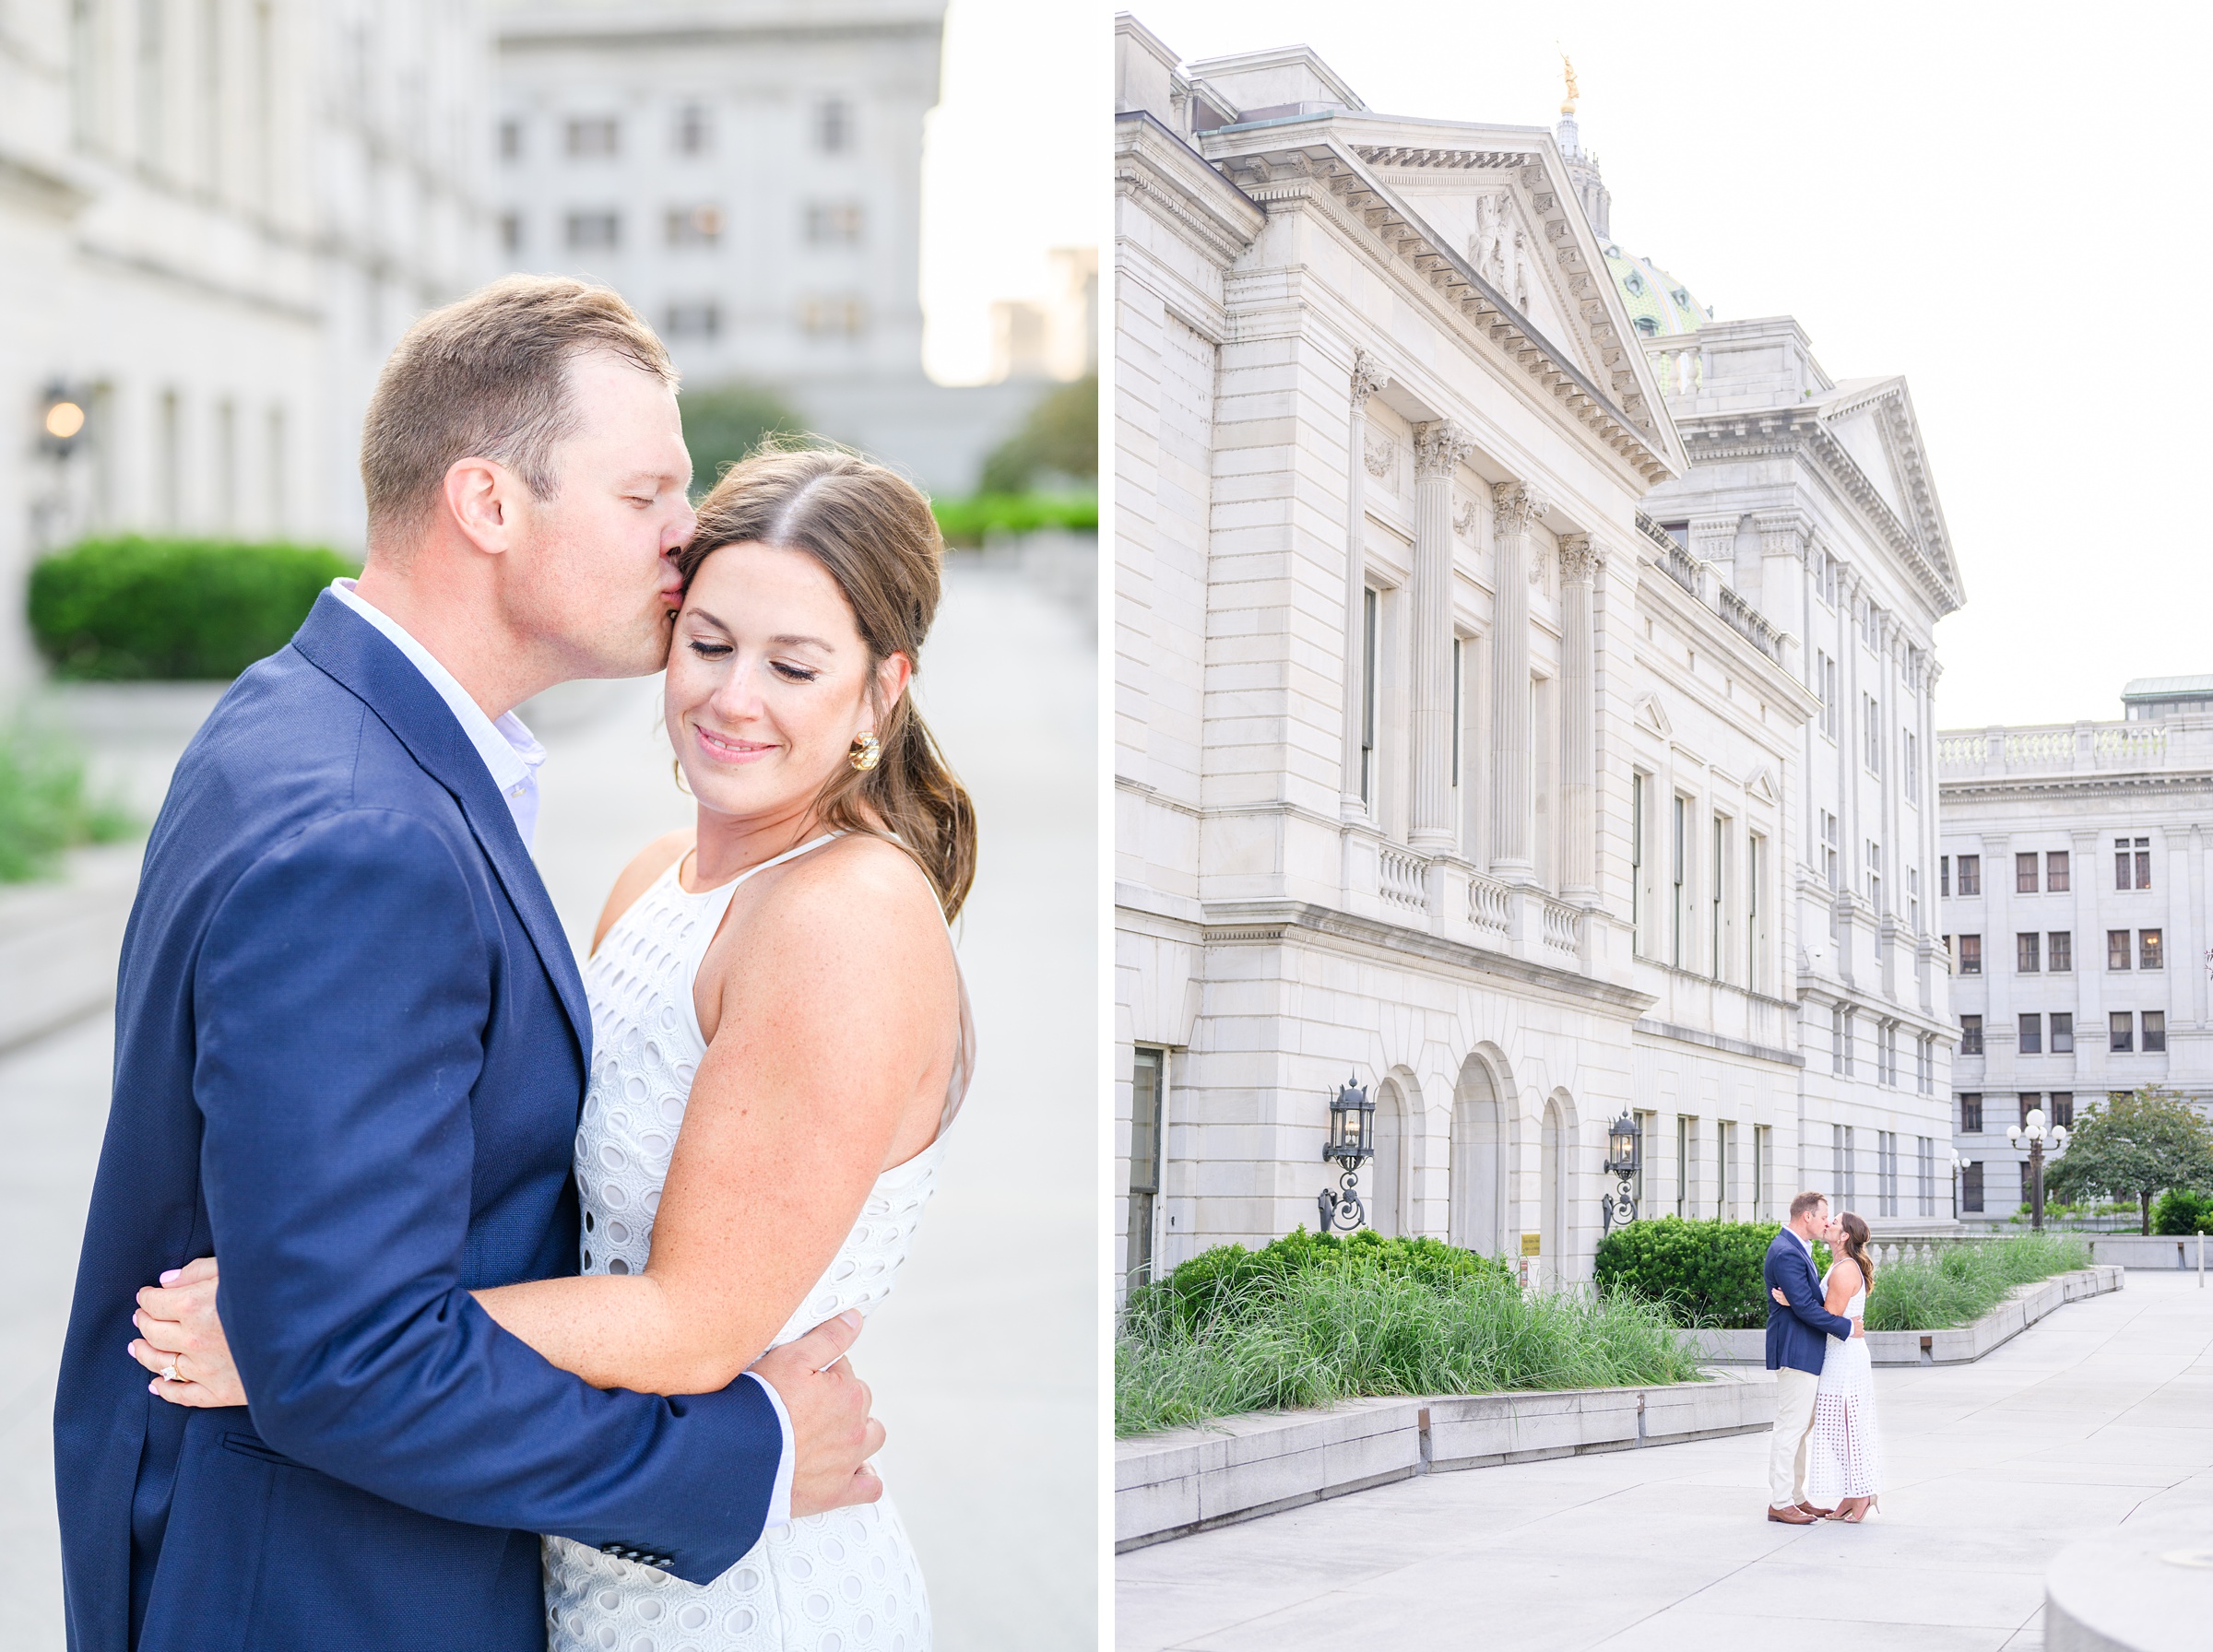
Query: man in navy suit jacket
column 351, row 1045
column 1797, row 1343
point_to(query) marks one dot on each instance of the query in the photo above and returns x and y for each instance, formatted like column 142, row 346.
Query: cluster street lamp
column 2034, row 1137
column 1625, row 1155
column 1958, row 1164
column 1351, row 1144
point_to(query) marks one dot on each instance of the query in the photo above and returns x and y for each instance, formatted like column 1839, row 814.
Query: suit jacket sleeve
column 340, row 1002
column 1798, row 1281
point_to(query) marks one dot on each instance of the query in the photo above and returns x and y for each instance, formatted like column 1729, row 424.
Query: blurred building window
column 834, row 125
column 694, row 318
column 595, row 229
column 699, row 226
column 833, row 314
column 593, row 137
column 511, row 232
column 153, row 70
column 510, row 139
column 279, row 460
column 833, row 223
column 694, row 131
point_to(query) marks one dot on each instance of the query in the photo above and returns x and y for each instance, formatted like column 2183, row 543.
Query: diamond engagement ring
column 169, row 1371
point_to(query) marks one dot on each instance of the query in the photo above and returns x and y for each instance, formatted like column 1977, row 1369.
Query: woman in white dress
column 780, row 1037
column 1843, row 1468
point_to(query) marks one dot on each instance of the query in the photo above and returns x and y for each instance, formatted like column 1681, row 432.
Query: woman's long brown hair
column 1855, row 1246
column 873, row 533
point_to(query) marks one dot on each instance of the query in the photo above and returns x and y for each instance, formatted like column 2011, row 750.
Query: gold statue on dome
column 1567, row 104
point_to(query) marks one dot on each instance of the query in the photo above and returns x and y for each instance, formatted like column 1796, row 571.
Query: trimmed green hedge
column 1229, row 1273
column 1705, row 1273
column 132, row 608
column 2183, row 1212
column 979, row 516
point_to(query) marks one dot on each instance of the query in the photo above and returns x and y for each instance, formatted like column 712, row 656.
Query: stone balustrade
column 2076, row 748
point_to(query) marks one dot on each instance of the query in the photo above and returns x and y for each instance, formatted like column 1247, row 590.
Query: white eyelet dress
column 1842, row 1457
column 841, row 1582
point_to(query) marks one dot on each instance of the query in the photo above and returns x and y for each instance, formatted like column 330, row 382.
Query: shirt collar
column 511, row 752
column 1803, row 1240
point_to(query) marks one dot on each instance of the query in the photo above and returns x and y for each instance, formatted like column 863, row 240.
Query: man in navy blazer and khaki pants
column 351, row 1044
column 1797, row 1343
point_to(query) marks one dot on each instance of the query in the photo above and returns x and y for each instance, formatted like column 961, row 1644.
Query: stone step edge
column 1188, row 1481
column 1954, row 1345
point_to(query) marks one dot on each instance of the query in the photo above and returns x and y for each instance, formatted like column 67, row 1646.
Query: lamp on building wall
column 2033, row 1136
column 1624, row 1157
column 61, row 419
column 1351, row 1144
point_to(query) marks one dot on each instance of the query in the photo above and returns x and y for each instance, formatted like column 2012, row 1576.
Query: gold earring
column 865, row 753
column 676, row 767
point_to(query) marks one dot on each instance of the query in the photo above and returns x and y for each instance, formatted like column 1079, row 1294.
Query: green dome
column 1659, row 305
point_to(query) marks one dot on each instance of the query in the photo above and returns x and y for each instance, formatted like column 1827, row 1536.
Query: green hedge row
column 1704, row 1273
column 131, row 607
column 979, row 516
column 1229, row 1273
column 2183, row 1212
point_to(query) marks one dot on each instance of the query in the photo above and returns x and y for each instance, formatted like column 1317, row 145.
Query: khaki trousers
column 1794, row 1393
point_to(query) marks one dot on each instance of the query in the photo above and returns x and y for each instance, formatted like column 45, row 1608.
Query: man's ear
column 484, row 500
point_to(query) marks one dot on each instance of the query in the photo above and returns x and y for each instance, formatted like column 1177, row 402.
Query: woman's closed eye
column 791, row 673
column 706, row 650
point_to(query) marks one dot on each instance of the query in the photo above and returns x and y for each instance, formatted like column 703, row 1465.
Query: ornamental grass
column 1965, row 1282
column 1317, row 1336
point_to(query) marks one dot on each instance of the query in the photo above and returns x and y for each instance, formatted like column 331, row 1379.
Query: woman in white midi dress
column 1843, row 1469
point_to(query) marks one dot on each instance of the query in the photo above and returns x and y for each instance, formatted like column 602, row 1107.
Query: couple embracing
column 499, row 1302
column 1822, row 1461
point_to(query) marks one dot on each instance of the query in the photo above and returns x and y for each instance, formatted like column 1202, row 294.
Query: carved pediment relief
column 1652, row 716
column 1761, row 786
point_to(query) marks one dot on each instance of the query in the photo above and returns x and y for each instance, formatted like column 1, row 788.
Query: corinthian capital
column 1368, row 377
column 1438, row 447
column 1516, row 505
column 1580, row 559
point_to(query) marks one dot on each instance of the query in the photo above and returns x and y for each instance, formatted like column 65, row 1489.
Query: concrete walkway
column 2102, row 1410
column 984, row 1363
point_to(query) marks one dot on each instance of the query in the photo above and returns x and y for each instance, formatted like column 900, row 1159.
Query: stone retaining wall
column 1959, row 1345
column 2155, row 1250
column 1182, row 1481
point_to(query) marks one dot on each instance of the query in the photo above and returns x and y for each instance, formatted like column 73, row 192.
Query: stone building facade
column 2073, row 877
column 1440, row 761
column 215, row 220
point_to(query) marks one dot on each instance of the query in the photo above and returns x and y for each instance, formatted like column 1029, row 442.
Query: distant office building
column 2073, row 879
column 1057, row 336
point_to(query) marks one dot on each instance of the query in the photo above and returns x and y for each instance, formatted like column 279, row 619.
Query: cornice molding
column 1176, row 185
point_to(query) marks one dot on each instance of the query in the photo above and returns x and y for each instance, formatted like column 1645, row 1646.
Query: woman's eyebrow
column 800, row 641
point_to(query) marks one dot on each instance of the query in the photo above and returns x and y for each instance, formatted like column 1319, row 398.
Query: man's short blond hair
column 487, row 377
column 1804, row 1202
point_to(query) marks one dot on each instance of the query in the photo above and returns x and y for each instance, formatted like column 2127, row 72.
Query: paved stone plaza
column 2102, row 1410
column 985, row 1362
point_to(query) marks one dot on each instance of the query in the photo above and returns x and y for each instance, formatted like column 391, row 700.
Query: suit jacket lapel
column 347, row 647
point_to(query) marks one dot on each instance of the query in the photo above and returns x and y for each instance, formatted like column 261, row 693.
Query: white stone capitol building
column 1522, row 697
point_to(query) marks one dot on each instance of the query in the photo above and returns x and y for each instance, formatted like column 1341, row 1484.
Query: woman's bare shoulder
column 637, row 876
column 864, row 887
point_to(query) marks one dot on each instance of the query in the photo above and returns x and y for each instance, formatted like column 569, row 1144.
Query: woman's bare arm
column 830, row 1025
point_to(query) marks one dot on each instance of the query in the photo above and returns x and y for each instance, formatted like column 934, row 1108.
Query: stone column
column 1367, row 378
column 1438, row 448
column 1580, row 562
column 1514, row 506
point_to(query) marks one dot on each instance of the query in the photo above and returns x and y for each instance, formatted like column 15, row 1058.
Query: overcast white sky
column 1015, row 163
column 2006, row 204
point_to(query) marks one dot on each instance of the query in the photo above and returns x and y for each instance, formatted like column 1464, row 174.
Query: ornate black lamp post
column 1625, row 1155
column 1351, row 1143
column 2034, row 1137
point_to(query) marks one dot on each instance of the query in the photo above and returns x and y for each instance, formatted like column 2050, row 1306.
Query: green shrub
column 725, row 422
column 1058, row 438
column 43, row 806
column 1705, row 1273
column 1216, row 1279
column 2179, row 1211
column 134, row 607
column 979, row 516
column 1965, row 1281
column 1310, row 1336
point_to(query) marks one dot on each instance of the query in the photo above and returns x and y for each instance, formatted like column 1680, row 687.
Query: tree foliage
column 725, row 422
column 1059, row 439
column 2134, row 1146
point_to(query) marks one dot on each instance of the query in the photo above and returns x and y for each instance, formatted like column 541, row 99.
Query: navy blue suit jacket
column 350, row 1051
column 1797, row 1336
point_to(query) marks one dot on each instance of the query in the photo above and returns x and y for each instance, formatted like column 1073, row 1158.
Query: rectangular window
column 834, row 125
column 1682, row 912
column 2031, row 1035
column 2060, row 1110
column 1836, row 1039
column 1685, row 1205
column 2155, row 1031
column 593, row 232
column 1637, row 933
column 2057, row 863
column 1970, row 1114
column 1713, row 906
column 1850, row 1177
column 2116, row 948
column 1872, row 712
column 2059, row 951
column 511, row 140
column 1912, row 900
column 511, row 232
column 2132, row 863
column 2122, row 1031
column 593, row 137
column 2062, row 1032
column 1648, row 1125
column 1763, row 1170
column 2147, row 948
column 1724, row 1169
column 1912, row 749
column 2024, row 874
column 1925, row 1160
column 1851, row 1033
column 693, row 131
column 1888, row 1193
column 695, row 318
column 833, row 223
column 1971, row 1187
column 1943, row 875
column 1874, row 876
column 2029, row 1103
column 2025, row 949
column 699, row 226
column 1970, row 954
column 1459, row 689
column 1145, row 1162
column 1971, row 874
column 1371, row 606
column 1825, row 690
column 1970, row 1035
column 1828, row 848
column 1754, row 859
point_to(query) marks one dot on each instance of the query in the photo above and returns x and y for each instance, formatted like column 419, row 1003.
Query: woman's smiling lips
column 726, row 749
